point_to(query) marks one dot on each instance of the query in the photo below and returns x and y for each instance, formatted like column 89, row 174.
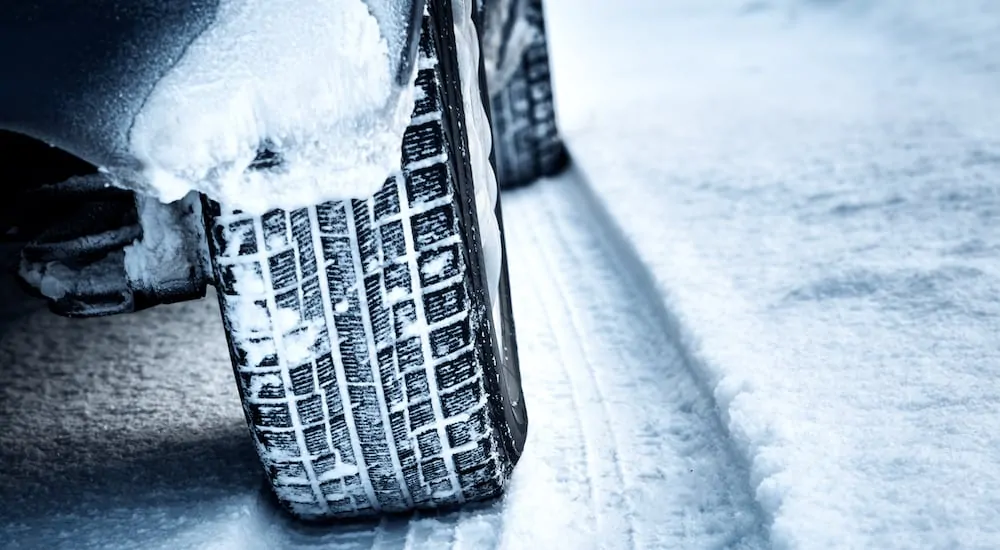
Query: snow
column 812, row 187
column 172, row 243
column 53, row 279
column 331, row 112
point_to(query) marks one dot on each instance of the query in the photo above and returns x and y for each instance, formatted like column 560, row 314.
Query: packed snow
column 172, row 245
column 814, row 188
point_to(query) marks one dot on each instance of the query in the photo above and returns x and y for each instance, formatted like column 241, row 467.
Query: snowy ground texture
column 761, row 311
column 814, row 187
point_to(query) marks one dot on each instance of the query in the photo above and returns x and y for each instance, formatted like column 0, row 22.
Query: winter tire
column 527, row 139
column 371, row 375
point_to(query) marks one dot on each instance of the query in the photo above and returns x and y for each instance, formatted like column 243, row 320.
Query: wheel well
column 28, row 162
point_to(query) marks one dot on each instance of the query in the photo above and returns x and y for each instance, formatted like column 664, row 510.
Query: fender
column 78, row 71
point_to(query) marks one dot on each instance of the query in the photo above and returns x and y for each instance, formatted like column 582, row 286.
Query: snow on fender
column 308, row 81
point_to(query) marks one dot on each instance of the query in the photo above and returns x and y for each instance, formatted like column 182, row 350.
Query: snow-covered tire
column 527, row 139
column 360, row 331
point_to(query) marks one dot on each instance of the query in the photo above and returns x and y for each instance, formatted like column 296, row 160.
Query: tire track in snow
column 606, row 481
column 680, row 485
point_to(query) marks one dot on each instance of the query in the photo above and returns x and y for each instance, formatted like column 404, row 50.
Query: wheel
column 372, row 373
column 527, row 139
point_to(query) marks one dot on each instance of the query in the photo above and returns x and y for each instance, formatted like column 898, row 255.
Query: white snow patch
column 53, row 279
column 247, row 317
column 299, row 337
column 248, row 281
column 309, row 79
column 172, row 242
column 395, row 295
column 340, row 471
column 435, row 267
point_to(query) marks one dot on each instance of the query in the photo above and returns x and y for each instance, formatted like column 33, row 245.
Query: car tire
column 528, row 144
column 371, row 374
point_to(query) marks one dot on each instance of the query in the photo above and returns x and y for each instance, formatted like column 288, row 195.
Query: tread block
column 325, row 373
column 409, row 352
column 391, row 385
column 468, row 461
column 450, row 338
column 426, row 100
column 341, row 437
column 462, row 433
column 429, row 444
column 461, row 399
column 421, row 414
column 312, row 299
column 302, row 232
column 434, row 469
column 428, row 183
column 387, row 200
column 456, row 371
column 334, row 404
column 379, row 316
column 270, row 415
column 433, row 225
column 393, row 239
column 354, row 350
column 444, row 303
column 422, row 141
column 486, row 476
column 416, row 385
column 400, row 431
column 310, row 410
column 332, row 218
column 316, row 442
column 397, row 280
column 302, row 379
